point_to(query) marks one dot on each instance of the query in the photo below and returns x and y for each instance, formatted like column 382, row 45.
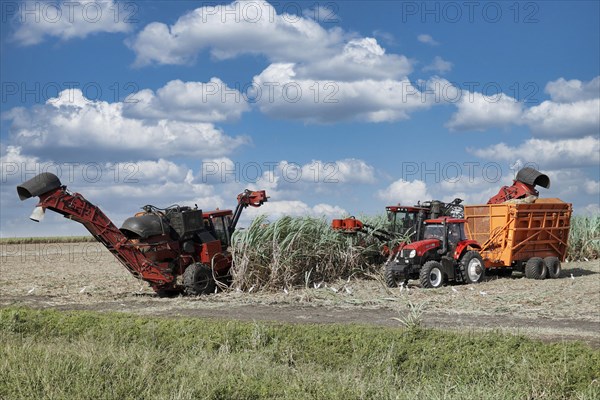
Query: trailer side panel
column 513, row 233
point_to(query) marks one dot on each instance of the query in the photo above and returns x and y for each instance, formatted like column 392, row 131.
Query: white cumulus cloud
column 575, row 119
column 476, row 111
column 546, row 153
column 573, row 111
column 212, row 101
column 564, row 91
column 405, row 192
column 427, row 39
column 438, row 65
column 251, row 27
column 359, row 59
column 37, row 20
column 242, row 27
column 99, row 130
column 318, row 101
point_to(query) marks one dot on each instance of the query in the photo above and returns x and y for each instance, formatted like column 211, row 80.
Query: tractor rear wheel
column 198, row 279
column 535, row 268
column 390, row 277
column 472, row 268
column 553, row 266
column 431, row 275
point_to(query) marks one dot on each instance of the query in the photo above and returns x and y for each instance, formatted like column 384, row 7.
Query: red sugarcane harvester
column 176, row 250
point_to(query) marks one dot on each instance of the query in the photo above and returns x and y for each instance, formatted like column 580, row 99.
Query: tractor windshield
column 401, row 222
column 434, row 232
column 456, row 233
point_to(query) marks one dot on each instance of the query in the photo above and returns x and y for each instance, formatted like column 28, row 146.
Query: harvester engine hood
column 38, row 185
column 533, row 177
column 143, row 226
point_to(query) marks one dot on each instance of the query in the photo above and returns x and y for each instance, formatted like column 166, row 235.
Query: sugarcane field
column 291, row 200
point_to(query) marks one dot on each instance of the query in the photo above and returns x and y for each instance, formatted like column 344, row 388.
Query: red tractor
column 443, row 253
column 176, row 250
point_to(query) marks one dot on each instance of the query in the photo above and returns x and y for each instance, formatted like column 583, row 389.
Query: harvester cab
column 175, row 249
column 406, row 221
column 443, row 253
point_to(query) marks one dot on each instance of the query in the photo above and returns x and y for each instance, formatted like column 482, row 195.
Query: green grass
column 84, row 355
column 51, row 239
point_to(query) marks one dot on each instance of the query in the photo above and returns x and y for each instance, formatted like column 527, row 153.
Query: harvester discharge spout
column 533, row 177
column 38, row 185
column 523, row 187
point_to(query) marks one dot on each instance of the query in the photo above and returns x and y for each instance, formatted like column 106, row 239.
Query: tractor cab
column 445, row 229
column 405, row 220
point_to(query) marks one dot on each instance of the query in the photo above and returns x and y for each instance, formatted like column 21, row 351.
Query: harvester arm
column 245, row 199
column 55, row 197
column 353, row 225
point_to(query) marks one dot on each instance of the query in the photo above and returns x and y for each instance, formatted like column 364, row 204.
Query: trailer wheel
column 553, row 266
column 535, row 268
column 198, row 279
column 431, row 275
column 472, row 268
column 390, row 277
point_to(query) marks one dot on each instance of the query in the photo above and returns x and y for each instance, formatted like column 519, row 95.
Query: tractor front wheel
column 472, row 268
column 535, row 268
column 391, row 279
column 198, row 279
column 431, row 275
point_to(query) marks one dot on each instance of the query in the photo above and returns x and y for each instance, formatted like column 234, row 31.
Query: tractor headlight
column 412, row 253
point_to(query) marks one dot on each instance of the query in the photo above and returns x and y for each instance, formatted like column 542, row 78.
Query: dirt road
column 86, row 276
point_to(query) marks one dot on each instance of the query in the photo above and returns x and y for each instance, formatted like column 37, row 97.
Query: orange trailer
column 530, row 238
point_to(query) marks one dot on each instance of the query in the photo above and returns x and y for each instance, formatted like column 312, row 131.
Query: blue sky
column 362, row 104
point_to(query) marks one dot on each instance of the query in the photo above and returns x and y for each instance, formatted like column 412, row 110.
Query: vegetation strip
column 584, row 238
column 52, row 354
column 51, row 239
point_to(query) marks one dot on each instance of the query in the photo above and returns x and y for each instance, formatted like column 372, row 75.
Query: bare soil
column 85, row 276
